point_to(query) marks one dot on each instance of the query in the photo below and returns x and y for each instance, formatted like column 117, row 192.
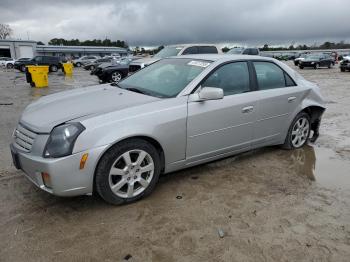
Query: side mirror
column 208, row 93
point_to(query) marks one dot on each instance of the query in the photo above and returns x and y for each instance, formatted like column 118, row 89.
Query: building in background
column 17, row 48
column 78, row 51
column 26, row 48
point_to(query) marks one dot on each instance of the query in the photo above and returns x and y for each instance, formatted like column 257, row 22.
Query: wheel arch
column 146, row 138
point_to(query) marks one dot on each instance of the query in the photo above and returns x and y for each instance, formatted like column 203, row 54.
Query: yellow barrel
column 37, row 76
column 68, row 68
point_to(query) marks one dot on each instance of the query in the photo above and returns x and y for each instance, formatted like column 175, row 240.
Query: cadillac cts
column 117, row 139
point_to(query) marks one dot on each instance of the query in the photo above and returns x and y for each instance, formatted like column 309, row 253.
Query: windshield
column 235, row 50
column 168, row 51
column 165, row 78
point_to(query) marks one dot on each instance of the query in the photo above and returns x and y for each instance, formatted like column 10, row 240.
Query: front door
column 216, row 127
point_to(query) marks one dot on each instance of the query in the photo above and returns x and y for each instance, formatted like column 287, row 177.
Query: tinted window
column 246, row 51
column 207, row 50
column 190, row 50
column 233, row 78
column 269, row 75
column 254, row 51
column 38, row 59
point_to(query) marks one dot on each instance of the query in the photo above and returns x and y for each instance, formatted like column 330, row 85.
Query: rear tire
column 9, row 66
column 92, row 67
column 298, row 132
column 316, row 66
column 301, row 67
column 342, row 69
column 120, row 178
column 78, row 64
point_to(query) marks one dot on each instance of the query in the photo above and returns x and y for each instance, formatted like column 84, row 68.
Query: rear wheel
column 317, row 65
column 342, row 69
column 9, row 66
column 78, row 64
column 299, row 132
column 301, row 67
column 330, row 65
column 92, row 67
column 127, row 172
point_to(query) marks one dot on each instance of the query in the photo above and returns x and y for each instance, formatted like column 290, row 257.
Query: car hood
column 52, row 110
column 145, row 61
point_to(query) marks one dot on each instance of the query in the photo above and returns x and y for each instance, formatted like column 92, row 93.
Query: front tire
column 9, row 66
column 316, row 66
column 53, row 68
column 342, row 69
column 299, row 132
column 92, row 67
column 78, row 64
column 116, row 77
column 301, row 67
column 23, row 68
column 128, row 172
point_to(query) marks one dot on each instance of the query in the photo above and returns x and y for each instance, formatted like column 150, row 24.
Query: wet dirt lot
column 269, row 204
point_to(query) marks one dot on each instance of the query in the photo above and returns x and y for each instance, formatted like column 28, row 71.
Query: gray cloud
column 156, row 22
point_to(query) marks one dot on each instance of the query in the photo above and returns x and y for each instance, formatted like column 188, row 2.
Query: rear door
column 222, row 126
column 278, row 96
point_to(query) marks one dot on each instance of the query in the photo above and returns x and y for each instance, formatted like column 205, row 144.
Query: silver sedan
column 117, row 139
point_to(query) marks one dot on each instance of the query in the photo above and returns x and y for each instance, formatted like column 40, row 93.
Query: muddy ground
column 269, row 204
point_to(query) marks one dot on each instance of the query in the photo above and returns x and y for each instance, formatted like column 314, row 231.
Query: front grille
column 24, row 138
column 134, row 68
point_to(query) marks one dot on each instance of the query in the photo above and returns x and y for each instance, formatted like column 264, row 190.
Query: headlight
column 312, row 63
column 62, row 139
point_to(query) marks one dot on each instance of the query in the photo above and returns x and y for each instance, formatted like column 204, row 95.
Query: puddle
column 323, row 166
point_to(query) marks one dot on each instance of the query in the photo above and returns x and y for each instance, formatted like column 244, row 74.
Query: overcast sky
column 158, row 22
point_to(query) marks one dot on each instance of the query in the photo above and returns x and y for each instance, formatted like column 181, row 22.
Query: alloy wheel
column 116, row 77
column 131, row 173
column 300, row 132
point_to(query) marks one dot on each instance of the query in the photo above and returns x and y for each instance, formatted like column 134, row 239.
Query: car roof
column 187, row 45
column 223, row 57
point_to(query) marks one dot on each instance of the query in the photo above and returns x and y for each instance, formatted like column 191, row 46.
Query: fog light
column 83, row 160
column 46, row 179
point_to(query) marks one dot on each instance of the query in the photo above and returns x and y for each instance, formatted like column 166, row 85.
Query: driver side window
column 233, row 78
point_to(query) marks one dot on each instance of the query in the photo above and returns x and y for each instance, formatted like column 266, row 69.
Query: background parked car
column 300, row 58
column 174, row 50
column 113, row 72
column 84, row 59
column 95, row 63
column 53, row 62
column 244, row 51
column 316, row 61
column 345, row 64
column 7, row 62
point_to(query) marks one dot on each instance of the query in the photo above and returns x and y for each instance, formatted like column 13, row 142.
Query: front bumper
column 66, row 177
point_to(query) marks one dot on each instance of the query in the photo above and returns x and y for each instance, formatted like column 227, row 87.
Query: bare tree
column 5, row 31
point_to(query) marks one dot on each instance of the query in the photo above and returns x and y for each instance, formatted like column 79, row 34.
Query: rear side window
column 190, row 50
column 233, row 78
column 207, row 50
column 271, row 76
column 254, row 51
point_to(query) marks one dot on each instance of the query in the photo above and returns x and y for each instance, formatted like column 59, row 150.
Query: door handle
column 291, row 99
column 247, row 109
